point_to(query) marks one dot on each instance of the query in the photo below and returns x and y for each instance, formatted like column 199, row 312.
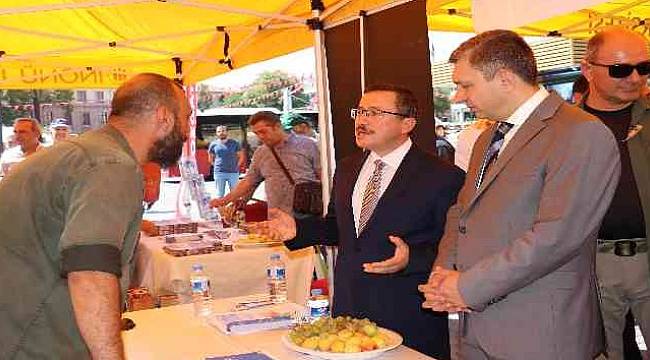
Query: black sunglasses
column 619, row 71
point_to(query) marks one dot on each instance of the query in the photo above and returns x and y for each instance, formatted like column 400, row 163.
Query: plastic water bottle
column 201, row 295
column 277, row 279
column 318, row 304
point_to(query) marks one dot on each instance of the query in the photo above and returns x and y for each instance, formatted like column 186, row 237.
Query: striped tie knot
column 371, row 194
column 493, row 150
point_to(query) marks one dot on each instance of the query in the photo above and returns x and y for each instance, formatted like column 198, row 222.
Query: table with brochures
column 236, row 273
column 175, row 333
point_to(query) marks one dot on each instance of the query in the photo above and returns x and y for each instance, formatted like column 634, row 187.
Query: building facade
column 90, row 109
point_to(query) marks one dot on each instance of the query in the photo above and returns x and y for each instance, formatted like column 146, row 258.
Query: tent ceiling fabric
column 581, row 24
column 98, row 44
column 82, row 43
column 487, row 14
column 456, row 15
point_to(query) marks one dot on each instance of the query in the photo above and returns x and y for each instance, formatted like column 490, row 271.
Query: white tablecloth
column 236, row 273
column 174, row 333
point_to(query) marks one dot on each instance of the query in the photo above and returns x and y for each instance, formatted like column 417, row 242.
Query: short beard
column 168, row 150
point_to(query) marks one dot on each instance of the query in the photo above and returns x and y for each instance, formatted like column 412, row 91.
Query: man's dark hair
column 405, row 101
column 143, row 94
column 580, row 85
column 491, row 51
column 268, row 117
column 294, row 119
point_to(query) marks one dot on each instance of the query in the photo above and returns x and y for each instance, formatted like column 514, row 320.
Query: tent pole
column 389, row 5
column 238, row 10
column 362, row 49
column 334, row 8
column 76, row 6
column 324, row 115
column 205, row 49
column 325, row 126
column 266, row 23
column 2, row 143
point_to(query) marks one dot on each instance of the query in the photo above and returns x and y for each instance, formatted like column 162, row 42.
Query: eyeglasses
column 620, row 71
column 373, row 112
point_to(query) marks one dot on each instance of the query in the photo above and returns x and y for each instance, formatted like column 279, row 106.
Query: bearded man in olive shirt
column 69, row 221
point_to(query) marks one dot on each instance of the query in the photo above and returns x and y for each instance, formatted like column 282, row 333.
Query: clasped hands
column 441, row 291
column 282, row 226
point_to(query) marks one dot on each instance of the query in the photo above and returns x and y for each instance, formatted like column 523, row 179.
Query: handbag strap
column 284, row 168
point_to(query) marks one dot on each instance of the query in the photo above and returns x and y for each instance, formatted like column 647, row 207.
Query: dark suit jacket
column 525, row 240
column 414, row 207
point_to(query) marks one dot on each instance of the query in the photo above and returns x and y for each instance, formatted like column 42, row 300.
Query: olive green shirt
column 75, row 206
column 639, row 148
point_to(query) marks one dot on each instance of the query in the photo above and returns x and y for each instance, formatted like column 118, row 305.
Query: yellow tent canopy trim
column 93, row 44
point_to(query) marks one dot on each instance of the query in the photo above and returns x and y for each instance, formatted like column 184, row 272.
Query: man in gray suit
column 517, row 257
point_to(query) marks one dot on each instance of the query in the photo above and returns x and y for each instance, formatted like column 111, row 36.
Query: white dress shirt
column 522, row 113
column 392, row 161
column 13, row 156
column 466, row 140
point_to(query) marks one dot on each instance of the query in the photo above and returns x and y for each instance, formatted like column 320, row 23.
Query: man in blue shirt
column 226, row 157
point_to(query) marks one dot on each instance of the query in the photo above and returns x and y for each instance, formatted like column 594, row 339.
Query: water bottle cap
column 275, row 256
column 197, row 267
column 316, row 292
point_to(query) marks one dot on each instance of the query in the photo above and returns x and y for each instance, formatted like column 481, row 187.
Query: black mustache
column 363, row 129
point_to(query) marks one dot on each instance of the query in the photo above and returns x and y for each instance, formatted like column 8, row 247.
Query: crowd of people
column 538, row 240
column 553, row 210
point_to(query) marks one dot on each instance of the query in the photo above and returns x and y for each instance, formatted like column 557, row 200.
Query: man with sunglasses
column 617, row 64
column 392, row 188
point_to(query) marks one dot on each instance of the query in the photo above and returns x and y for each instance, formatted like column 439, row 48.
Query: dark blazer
column 414, row 207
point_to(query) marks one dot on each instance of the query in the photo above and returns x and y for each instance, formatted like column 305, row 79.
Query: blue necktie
column 493, row 150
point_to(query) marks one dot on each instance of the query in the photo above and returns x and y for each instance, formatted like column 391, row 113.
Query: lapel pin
column 634, row 130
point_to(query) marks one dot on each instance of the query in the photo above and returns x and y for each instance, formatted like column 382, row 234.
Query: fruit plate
column 393, row 340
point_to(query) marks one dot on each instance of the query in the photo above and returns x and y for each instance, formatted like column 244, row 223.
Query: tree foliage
column 205, row 99
column 441, row 102
column 266, row 91
column 26, row 103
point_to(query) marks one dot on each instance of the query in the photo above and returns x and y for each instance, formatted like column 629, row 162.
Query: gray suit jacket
column 525, row 241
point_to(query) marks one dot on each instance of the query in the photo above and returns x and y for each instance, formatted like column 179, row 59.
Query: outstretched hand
column 280, row 226
column 394, row 264
column 218, row 202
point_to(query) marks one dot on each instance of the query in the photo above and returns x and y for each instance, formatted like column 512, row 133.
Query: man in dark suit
column 393, row 188
column 519, row 247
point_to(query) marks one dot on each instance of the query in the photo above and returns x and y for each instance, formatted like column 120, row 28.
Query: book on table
column 246, row 356
column 274, row 316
